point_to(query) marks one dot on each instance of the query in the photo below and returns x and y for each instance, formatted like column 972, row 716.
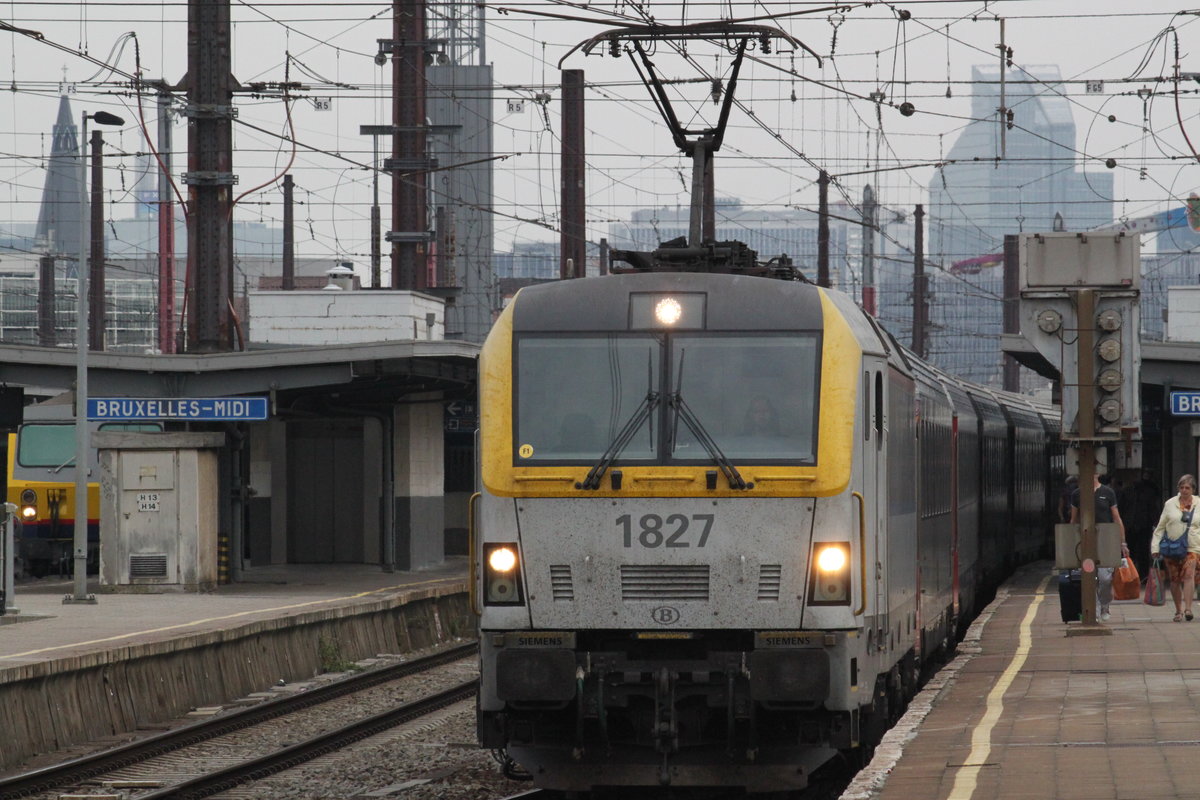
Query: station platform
column 46, row 629
column 1026, row 711
column 72, row 673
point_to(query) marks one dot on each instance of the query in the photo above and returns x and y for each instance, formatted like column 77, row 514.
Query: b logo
column 665, row 615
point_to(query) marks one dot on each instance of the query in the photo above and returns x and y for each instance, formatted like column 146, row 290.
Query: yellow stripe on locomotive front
column 503, row 475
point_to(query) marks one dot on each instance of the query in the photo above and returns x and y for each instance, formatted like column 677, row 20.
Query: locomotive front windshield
column 756, row 397
column 666, row 397
column 576, row 393
column 46, row 445
column 52, row 444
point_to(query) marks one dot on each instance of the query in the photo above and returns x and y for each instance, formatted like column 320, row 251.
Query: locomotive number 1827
column 674, row 530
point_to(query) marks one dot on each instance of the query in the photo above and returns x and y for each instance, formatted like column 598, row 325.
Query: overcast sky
column 789, row 105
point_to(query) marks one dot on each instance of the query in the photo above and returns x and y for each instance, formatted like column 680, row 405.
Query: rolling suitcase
column 1071, row 595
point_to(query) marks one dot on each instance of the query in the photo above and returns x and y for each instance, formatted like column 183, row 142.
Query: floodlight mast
column 699, row 144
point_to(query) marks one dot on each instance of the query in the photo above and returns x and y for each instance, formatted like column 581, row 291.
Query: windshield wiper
column 59, row 468
column 682, row 411
column 640, row 414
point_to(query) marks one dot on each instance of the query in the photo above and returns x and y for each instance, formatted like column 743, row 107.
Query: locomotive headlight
column 659, row 310
column 668, row 311
column 502, row 559
column 501, row 575
column 831, row 558
column 28, row 505
column 829, row 581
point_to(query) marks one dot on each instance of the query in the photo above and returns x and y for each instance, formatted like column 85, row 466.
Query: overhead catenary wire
column 280, row 11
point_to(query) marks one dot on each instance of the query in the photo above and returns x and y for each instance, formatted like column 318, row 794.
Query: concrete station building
column 350, row 466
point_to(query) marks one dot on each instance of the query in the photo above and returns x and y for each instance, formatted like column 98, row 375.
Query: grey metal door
column 325, row 496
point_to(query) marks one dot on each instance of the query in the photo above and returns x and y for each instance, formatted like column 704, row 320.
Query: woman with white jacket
column 1180, row 522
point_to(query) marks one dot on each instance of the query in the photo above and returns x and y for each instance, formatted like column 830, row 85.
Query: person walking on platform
column 1140, row 505
column 1106, row 511
column 1177, row 540
column 1064, row 498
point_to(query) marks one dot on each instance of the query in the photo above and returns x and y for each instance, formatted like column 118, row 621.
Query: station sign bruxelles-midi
column 1185, row 404
column 196, row 409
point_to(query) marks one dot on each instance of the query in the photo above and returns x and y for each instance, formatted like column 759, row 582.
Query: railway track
column 263, row 766
column 88, row 767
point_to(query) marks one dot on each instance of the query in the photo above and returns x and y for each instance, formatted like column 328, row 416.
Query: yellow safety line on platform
column 194, row 623
column 981, row 738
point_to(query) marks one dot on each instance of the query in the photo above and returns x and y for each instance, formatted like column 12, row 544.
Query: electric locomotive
column 719, row 528
column 41, row 484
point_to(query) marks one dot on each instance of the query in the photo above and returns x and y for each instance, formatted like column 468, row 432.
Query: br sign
column 188, row 409
column 1185, row 404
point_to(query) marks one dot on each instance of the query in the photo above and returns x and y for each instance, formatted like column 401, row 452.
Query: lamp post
column 82, row 440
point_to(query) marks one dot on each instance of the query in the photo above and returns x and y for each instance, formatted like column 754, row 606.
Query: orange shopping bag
column 1126, row 584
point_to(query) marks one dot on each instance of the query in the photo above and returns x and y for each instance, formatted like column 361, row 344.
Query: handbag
column 1156, row 584
column 1126, row 583
column 1173, row 548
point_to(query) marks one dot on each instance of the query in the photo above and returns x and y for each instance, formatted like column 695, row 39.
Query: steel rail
column 80, row 769
column 223, row 780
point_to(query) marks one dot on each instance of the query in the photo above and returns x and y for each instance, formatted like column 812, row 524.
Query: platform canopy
column 381, row 372
column 1166, row 364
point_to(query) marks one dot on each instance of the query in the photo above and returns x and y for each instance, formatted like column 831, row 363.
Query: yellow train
column 41, row 483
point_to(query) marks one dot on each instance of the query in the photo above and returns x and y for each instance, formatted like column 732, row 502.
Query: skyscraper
column 1026, row 178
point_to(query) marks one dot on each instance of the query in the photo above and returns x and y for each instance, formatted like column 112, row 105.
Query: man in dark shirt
column 1064, row 498
column 1106, row 511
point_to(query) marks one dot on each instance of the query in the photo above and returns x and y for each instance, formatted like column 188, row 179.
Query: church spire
column 63, row 200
